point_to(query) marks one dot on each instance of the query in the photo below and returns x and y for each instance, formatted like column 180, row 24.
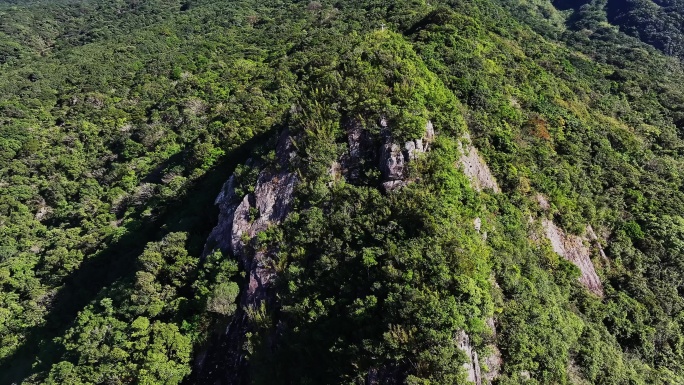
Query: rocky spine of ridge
column 481, row 178
column 240, row 220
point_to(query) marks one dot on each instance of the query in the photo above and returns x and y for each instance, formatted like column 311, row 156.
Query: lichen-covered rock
column 43, row 212
column 335, row 172
column 241, row 218
column 269, row 204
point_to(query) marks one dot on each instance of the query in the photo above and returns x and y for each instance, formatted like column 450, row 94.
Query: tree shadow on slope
column 194, row 212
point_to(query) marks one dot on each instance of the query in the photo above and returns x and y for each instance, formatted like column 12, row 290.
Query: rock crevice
column 472, row 364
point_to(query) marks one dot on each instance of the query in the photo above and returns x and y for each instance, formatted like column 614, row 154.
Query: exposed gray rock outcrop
column 480, row 176
column 241, row 219
column 270, row 203
column 392, row 162
column 394, row 159
column 44, row 211
column 472, row 364
column 477, row 223
column 543, row 202
column 493, row 360
column 475, row 167
column 362, row 149
column 573, row 248
column 595, row 239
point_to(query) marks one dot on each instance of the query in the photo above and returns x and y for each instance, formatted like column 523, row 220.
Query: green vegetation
column 119, row 122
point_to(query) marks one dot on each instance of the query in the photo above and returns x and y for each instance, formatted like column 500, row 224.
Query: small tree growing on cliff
column 222, row 300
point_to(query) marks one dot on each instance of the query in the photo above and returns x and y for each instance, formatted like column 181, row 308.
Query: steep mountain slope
column 415, row 193
column 655, row 22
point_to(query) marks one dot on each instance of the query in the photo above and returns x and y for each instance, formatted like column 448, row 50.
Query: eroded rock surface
column 268, row 205
column 493, row 361
column 595, row 239
column 543, row 202
column 475, row 167
column 573, row 248
column 392, row 162
column 394, row 159
column 362, row 148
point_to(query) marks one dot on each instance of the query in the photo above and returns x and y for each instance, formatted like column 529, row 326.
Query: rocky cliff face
column 474, row 167
column 392, row 158
column 361, row 151
column 240, row 220
column 573, row 248
column 475, row 373
column 493, row 360
column 472, row 365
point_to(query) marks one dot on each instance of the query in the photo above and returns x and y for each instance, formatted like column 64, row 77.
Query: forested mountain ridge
column 658, row 23
column 414, row 192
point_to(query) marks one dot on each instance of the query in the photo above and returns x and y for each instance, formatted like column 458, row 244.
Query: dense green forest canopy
column 120, row 121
